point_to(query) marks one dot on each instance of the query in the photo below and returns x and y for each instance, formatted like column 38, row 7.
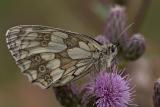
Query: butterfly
column 52, row 56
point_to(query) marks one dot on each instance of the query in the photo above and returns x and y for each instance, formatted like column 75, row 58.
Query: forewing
column 49, row 55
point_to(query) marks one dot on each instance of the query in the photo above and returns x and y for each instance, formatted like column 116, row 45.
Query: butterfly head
column 109, row 52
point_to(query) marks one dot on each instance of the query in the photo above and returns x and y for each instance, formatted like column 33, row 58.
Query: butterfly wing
column 50, row 56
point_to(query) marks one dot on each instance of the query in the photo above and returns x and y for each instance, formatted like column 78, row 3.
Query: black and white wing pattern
column 50, row 56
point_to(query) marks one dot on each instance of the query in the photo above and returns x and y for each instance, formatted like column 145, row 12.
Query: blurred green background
column 84, row 16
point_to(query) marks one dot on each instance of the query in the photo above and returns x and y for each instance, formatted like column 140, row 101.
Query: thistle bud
column 156, row 94
column 135, row 47
column 102, row 39
column 115, row 25
column 67, row 95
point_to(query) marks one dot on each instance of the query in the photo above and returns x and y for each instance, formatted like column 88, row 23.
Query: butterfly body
column 51, row 56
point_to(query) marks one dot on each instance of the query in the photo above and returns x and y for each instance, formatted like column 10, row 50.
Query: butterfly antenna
column 129, row 26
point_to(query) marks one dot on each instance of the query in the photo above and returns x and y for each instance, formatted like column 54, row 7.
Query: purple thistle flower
column 108, row 90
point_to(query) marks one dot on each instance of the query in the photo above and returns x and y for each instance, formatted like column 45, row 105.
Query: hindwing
column 50, row 56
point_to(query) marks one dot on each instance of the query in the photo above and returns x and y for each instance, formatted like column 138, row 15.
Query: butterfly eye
column 112, row 49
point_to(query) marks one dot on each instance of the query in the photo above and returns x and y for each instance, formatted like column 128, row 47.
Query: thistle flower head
column 108, row 90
